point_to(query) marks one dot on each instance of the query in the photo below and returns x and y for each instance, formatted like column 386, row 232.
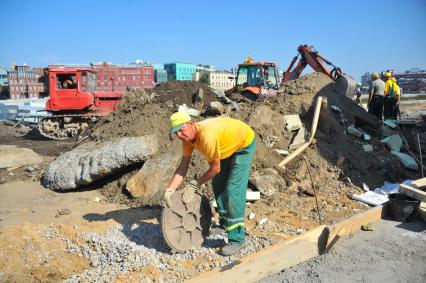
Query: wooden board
column 270, row 260
column 412, row 192
column 419, row 182
column 353, row 224
column 290, row 252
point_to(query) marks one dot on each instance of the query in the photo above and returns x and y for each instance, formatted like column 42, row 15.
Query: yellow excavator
column 257, row 79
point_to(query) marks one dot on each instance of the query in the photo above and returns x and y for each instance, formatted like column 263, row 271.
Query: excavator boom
column 307, row 55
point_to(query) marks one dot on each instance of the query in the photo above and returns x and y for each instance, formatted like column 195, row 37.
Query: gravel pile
column 129, row 248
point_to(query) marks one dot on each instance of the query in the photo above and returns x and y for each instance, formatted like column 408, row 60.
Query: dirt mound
column 148, row 113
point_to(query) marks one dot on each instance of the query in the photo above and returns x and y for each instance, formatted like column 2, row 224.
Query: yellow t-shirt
column 388, row 86
column 219, row 138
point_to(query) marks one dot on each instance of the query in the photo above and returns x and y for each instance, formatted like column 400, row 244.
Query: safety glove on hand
column 189, row 191
column 168, row 194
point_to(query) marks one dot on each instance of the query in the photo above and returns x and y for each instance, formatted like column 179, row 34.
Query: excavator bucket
column 347, row 85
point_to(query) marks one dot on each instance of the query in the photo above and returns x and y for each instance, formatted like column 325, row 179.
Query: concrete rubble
column 393, row 142
column 292, row 122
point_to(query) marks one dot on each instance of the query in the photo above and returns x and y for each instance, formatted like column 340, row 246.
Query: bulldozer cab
column 257, row 78
column 71, row 88
column 257, row 75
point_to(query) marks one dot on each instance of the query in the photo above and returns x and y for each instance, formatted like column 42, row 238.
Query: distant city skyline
column 359, row 37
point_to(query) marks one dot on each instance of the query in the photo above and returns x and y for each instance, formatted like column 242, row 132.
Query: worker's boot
column 231, row 248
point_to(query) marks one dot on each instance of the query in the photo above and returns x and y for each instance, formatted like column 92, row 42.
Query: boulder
column 154, row 175
column 12, row 156
column 90, row 162
column 268, row 181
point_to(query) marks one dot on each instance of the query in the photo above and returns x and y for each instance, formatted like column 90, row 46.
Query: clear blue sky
column 358, row 36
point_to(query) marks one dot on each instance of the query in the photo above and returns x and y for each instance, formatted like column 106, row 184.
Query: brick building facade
column 24, row 83
column 123, row 77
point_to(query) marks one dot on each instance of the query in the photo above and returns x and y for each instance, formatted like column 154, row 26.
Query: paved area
column 393, row 252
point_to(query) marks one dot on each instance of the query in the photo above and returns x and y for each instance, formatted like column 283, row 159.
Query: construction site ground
column 392, row 252
column 101, row 233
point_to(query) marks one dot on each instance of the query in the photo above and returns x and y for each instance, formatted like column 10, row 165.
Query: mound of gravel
column 129, row 248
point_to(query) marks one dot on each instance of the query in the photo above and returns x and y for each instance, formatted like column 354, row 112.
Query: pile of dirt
column 148, row 113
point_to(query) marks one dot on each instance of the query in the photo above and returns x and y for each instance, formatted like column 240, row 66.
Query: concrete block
column 367, row 147
column 354, row 131
column 406, row 160
column 299, row 139
column 393, row 142
column 293, row 122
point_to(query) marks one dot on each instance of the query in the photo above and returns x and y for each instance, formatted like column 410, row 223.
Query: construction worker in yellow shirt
column 228, row 145
column 392, row 96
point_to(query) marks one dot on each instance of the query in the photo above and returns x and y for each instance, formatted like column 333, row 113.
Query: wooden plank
column 419, row 182
column 412, row 192
column 270, row 260
column 353, row 224
column 290, row 252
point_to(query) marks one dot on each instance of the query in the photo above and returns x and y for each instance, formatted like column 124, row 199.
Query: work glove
column 168, row 194
column 189, row 191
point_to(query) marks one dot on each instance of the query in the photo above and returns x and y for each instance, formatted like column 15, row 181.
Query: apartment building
column 24, row 82
column 180, row 71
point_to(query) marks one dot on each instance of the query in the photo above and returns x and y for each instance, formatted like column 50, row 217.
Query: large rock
column 268, row 181
column 12, row 156
column 88, row 163
column 153, row 176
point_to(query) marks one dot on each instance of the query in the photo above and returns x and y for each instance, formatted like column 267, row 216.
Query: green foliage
column 205, row 79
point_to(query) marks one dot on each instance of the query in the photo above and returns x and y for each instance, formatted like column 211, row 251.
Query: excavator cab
column 255, row 79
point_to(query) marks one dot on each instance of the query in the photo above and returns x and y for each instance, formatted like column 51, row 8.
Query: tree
column 205, row 79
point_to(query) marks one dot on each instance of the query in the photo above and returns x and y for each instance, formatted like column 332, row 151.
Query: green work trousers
column 230, row 188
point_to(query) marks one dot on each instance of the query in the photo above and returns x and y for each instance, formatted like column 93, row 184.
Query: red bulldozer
column 74, row 102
